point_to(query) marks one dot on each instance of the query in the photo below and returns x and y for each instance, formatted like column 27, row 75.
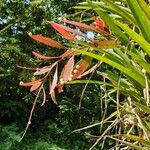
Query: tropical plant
column 122, row 41
column 131, row 58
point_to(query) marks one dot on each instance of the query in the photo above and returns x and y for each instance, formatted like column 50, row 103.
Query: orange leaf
column 35, row 86
column 81, row 25
column 30, row 83
column 68, row 69
column 100, row 24
column 58, row 28
column 47, row 41
column 70, row 30
column 67, row 53
column 44, row 57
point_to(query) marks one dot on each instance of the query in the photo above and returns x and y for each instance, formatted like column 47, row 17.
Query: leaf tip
column 21, row 83
column 30, row 33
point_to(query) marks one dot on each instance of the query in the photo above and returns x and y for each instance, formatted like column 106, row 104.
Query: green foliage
column 119, row 100
column 132, row 63
column 9, row 136
column 17, row 19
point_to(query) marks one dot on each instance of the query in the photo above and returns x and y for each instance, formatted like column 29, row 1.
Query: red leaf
column 81, row 25
column 44, row 57
column 59, row 29
column 70, row 30
column 45, row 69
column 54, row 82
column 30, row 83
column 35, row 86
column 68, row 69
column 88, row 71
column 47, row 41
column 41, row 71
column 67, row 53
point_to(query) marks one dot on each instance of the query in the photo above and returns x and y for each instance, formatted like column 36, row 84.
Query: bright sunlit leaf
column 68, row 69
column 47, row 41
column 59, row 29
column 35, row 86
column 30, row 83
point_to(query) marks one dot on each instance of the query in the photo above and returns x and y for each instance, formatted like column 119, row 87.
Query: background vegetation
column 115, row 111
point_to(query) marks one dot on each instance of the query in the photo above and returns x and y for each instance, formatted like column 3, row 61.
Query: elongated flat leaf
column 137, row 77
column 70, row 30
column 136, row 37
column 44, row 57
column 30, row 83
column 145, row 108
column 105, row 44
column 121, row 11
column 141, row 18
column 44, row 96
column 88, row 71
column 145, row 7
column 131, row 145
column 35, row 86
column 81, row 25
column 47, row 41
column 41, row 71
column 89, row 82
column 53, row 96
column 135, row 138
column 140, row 61
column 68, row 69
column 54, row 82
column 82, row 7
column 61, row 30
column 45, row 69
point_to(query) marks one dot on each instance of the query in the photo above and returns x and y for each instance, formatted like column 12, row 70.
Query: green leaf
column 110, row 22
column 140, row 61
column 125, row 86
column 121, row 11
column 145, row 7
column 135, row 138
column 127, row 71
column 146, row 109
column 89, row 82
column 141, row 18
column 135, row 36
